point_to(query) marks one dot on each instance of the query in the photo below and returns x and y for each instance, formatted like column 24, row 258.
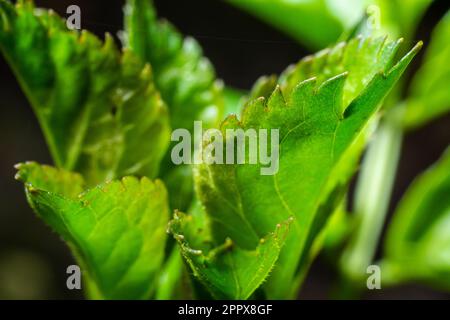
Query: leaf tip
column 406, row 60
column 231, row 122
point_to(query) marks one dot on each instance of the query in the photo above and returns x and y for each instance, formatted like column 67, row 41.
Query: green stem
column 373, row 194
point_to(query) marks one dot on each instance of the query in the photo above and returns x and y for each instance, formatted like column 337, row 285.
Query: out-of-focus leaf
column 318, row 23
column 321, row 107
column 337, row 229
column 99, row 110
column 185, row 78
column 371, row 199
column 170, row 278
column 116, row 230
column 418, row 239
column 315, row 23
column 429, row 93
column 399, row 17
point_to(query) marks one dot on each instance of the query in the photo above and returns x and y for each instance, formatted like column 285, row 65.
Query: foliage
column 107, row 114
column 116, row 230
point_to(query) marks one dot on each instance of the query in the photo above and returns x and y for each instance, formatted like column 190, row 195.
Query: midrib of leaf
column 300, row 237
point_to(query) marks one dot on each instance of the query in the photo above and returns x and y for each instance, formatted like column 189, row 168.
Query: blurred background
column 33, row 260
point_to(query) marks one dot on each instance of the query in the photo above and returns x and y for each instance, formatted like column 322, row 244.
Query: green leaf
column 337, row 229
column 116, row 230
column 319, row 23
column 315, row 23
column 418, row 240
column 399, row 17
column 227, row 271
column 185, row 78
column 429, row 91
column 179, row 183
column 99, row 110
column 321, row 107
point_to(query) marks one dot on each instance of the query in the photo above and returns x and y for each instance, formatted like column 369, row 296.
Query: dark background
column 33, row 260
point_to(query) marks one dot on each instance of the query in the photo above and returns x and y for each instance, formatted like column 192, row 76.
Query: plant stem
column 373, row 194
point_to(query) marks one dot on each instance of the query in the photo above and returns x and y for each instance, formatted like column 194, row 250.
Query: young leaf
column 321, row 121
column 185, row 78
column 418, row 240
column 228, row 271
column 116, row 230
column 99, row 110
column 429, row 92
